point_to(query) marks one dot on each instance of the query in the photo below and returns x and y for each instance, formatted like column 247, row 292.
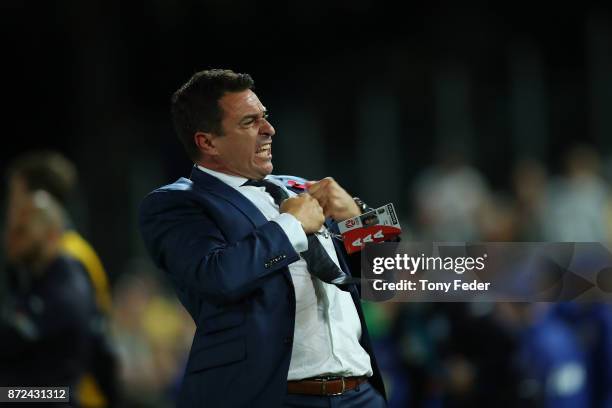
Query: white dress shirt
column 327, row 327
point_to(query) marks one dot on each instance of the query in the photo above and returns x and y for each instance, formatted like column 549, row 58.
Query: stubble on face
column 245, row 148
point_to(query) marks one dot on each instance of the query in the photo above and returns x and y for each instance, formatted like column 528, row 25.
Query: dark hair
column 46, row 170
column 195, row 105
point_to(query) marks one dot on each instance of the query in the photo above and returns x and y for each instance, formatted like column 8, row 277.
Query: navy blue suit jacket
column 229, row 268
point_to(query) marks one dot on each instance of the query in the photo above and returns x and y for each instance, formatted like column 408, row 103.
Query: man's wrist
column 363, row 207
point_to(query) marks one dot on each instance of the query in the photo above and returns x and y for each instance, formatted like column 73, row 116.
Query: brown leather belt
column 325, row 385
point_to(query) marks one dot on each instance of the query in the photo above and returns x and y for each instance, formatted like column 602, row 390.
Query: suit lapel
column 220, row 189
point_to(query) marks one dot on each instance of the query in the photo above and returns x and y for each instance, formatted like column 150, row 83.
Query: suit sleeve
column 184, row 240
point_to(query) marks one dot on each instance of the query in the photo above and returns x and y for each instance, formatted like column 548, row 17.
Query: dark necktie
column 318, row 261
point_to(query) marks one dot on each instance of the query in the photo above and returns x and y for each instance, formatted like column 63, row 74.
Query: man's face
column 245, row 149
column 24, row 236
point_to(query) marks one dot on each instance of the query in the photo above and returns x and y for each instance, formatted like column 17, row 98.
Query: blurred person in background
column 577, row 209
column 530, row 188
column 153, row 333
column 269, row 332
column 45, row 325
column 449, row 196
column 499, row 219
column 552, row 366
column 52, row 172
column 578, row 203
column 592, row 325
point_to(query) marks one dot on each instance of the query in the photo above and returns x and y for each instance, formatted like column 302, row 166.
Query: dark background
column 366, row 91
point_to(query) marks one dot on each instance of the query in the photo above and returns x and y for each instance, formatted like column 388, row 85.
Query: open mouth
column 265, row 150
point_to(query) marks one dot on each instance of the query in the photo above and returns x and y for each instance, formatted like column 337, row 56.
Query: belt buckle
column 334, row 393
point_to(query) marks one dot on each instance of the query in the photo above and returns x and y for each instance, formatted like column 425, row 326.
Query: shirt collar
column 232, row 181
column 236, row 181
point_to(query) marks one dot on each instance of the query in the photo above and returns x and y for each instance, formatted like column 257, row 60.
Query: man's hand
column 336, row 202
column 306, row 209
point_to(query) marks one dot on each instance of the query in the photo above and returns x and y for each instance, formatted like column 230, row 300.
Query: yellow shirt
column 78, row 248
column 88, row 391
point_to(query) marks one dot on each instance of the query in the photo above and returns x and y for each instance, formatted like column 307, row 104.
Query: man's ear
column 205, row 143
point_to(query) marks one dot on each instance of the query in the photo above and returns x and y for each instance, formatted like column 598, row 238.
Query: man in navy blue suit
column 244, row 250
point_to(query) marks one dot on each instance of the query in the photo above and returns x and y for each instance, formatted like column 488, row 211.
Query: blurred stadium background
column 479, row 123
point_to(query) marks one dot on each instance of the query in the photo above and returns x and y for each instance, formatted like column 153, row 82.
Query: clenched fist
column 336, row 202
column 306, row 209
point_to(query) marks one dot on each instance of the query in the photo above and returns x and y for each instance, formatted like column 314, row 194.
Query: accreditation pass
column 34, row 394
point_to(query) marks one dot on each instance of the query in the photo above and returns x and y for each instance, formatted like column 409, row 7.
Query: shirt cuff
column 294, row 231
